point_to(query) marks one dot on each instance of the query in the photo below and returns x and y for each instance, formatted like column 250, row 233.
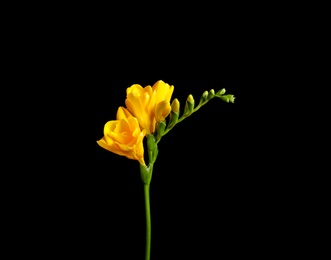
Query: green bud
column 220, row 92
column 204, row 97
column 174, row 114
column 231, row 98
column 173, row 120
column 189, row 106
column 152, row 148
column 228, row 98
column 211, row 94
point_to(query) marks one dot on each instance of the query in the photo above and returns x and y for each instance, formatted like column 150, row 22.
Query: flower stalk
column 146, row 177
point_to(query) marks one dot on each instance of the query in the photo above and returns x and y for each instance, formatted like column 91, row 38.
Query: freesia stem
column 146, row 175
column 148, row 223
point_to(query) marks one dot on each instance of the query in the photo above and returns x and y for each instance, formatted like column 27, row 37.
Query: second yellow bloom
column 149, row 104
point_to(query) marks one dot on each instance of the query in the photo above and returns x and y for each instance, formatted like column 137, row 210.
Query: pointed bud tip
column 162, row 110
column 211, row 94
column 221, row 92
column 190, row 99
column 175, row 105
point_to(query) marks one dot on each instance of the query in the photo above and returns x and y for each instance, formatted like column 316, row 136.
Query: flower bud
column 228, row 98
column 204, row 97
column 174, row 114
column 189, row 106
column 162, row 111
column 175, row 106
column 211, row 94
column 220, row 92
column 231, row 98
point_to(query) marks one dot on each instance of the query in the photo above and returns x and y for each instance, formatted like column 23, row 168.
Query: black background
column 222, row 184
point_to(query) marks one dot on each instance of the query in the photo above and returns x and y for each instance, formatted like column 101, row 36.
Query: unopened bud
column 162, row 111
column 220, row 92
column 211, row 94
column 189, row 105
column 175, row 106
column 228, row 98
column 204, row 97
column 174, row 114
column 190, row 99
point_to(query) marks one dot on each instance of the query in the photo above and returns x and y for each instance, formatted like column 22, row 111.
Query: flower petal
column 122, row 126
column 114, row 148
column 135, row 88
column 134, row 106
column 122, row 113
column 169, row 93
column 160, row 89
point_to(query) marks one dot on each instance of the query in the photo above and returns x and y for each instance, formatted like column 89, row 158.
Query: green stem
column 148, row 223
column 146, row 175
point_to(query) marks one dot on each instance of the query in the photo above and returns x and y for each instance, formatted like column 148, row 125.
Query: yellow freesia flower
column 149, row 104
column 124, row 137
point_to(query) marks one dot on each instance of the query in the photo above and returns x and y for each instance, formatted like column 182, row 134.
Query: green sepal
column 151, row 142
column 173, row 119
column 160, row 130
column 145, row 174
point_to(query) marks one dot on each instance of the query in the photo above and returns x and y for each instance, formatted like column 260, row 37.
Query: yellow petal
column 169, row 93
column 134, row 125
column 107, row 131
column 112, row 134
column 135, row 88
column 122, row 126
column 114, row 148
column 122, row 113
column 145, row 97
column 133, row 104
column 160, row 88
column 125, row 148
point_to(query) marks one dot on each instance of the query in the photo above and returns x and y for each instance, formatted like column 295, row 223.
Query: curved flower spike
column 124, row 137
column 189, row 106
